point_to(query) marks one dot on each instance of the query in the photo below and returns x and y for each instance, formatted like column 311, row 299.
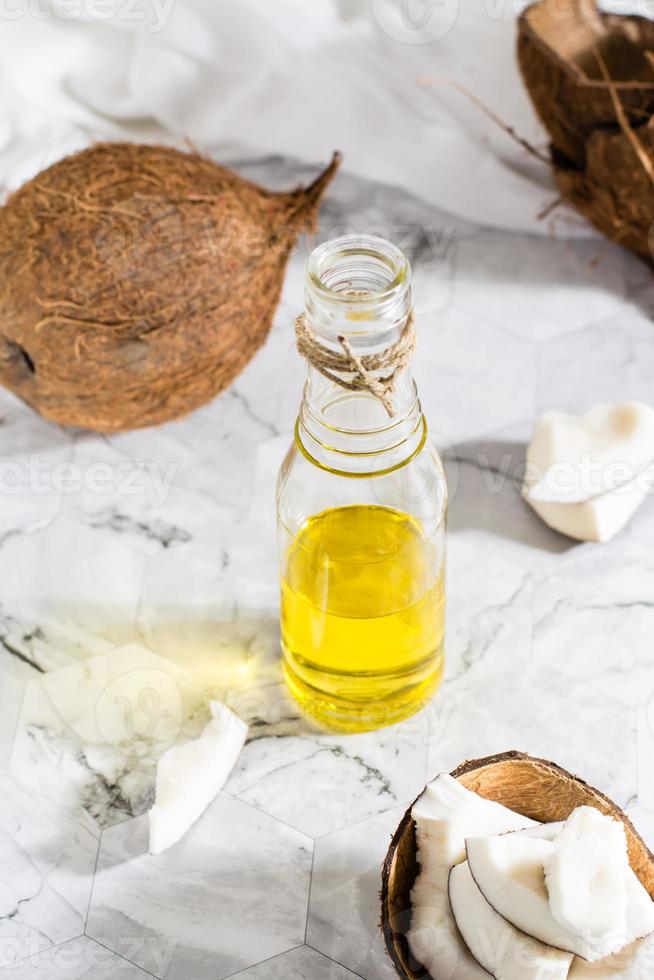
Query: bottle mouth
column 358, row 286
column 358, row 270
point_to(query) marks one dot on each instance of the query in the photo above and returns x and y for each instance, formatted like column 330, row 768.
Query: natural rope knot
column 366, row 370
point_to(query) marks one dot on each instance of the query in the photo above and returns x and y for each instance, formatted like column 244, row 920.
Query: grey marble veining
column 89, row 736
column 594, row 619
column 320, row 782
column 165, row 538
column 47, row 855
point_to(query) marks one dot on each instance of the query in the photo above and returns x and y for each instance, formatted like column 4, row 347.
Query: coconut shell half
column 558, row 46
column 536, row 788
column 591, row 80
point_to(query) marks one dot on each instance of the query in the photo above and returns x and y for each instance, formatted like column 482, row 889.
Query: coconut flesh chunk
column 586, row 876
column 504, row 951
column 434, row 939
column 191, row 775
column 587, row 475
column 444, row 815
column 510, row 872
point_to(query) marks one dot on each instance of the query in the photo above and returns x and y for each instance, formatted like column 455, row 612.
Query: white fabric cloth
column 627, row 8
column 371, row 78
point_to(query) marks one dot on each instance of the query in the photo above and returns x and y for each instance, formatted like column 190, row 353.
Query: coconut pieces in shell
column 591, row 80
column 551, row 882
column 541, row 791
column 137, row 281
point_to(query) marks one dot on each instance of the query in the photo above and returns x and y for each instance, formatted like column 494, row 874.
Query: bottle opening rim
column 331, row 270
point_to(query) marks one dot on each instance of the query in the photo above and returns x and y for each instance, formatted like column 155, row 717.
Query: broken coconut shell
column 533, row 787
column 583, row 72
column 137, row 282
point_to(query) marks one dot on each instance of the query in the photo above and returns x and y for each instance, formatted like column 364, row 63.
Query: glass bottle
column 361, row 504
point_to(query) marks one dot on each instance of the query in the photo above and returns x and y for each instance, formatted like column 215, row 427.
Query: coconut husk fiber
column 591, row 80
column 534, row 787
column 137, row 281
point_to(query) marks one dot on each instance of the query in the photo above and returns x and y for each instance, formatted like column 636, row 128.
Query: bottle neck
column 358, row 300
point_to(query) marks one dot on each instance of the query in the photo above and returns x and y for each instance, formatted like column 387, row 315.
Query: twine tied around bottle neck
column 333, row 365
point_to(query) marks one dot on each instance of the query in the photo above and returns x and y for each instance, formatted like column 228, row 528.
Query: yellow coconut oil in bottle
column 361, row 502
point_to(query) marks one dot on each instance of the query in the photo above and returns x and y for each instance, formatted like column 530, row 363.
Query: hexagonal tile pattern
column 467, row 389
column 79, row 959
column 302, row 963
column 191, row 911
column 47, row 855
column 344, row 909
column 594, row 618
column 295, row 780
column 90, row 735
column 538, row 710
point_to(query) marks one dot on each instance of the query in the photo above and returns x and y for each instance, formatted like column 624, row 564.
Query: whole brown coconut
column 534, row 787
column 591, row 80
column 137, row 281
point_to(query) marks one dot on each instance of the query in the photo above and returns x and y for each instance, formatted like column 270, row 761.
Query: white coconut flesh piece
column 587, row 475
column 510, row 872
column 190, row 776
column 586, row 876
column 444, row 815
column 504, row 951
column 434, row 939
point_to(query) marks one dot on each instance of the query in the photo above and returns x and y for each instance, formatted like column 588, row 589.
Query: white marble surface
column 165, row 538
